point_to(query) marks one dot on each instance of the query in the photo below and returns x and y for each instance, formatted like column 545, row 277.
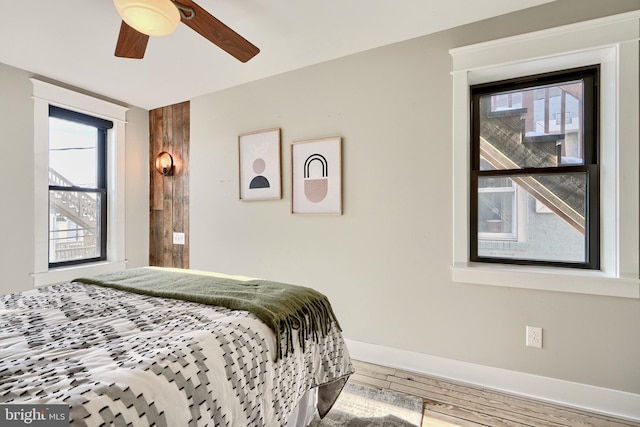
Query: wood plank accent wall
column 169, row 195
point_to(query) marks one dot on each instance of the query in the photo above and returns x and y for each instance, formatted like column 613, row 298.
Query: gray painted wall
column 16, row 182
column 385, row 263
column 16, row 179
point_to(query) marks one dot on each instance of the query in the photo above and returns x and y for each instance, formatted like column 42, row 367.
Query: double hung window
column 567, row 98
column 77, row 187
column 82, row 139
column 535, row 138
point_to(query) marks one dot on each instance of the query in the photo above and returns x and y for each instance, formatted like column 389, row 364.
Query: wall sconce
column 164, row 164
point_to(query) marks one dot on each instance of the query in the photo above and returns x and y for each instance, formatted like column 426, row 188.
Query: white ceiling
column 72, row 41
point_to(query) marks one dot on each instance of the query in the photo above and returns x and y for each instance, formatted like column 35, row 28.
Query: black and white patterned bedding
column 118, row 358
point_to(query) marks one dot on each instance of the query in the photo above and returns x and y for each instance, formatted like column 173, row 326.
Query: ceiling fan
column 144, row 18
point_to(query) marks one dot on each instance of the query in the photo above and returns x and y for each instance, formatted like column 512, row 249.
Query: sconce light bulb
column 164, row 163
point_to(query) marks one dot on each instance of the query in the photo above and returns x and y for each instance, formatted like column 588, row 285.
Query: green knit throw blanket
column 281, row 306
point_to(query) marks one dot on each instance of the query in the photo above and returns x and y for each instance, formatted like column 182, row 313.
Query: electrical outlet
column 534, row 336
column 178, row 238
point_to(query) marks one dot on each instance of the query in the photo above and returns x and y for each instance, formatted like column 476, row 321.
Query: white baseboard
column 583, row 396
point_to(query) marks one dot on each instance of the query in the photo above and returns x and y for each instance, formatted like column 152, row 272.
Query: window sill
column 545, row 279
column 66, row 274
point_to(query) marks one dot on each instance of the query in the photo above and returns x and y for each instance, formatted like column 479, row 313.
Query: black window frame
column 590, row 76
column 102, row 126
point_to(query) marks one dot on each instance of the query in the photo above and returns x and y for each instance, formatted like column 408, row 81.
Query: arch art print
column 317, row 176
column 260, row 172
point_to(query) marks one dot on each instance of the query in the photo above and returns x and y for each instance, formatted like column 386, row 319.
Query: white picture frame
column 260, row 169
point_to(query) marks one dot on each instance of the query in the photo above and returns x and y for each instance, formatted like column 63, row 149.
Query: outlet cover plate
column 178, row 238
column 534, row 336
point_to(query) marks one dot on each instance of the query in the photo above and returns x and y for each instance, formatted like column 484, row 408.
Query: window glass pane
column 73, row 154
column 74, row 225
column 534, row 127
column 547, row 218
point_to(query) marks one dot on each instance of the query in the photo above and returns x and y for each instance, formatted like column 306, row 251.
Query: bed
column 165, row 347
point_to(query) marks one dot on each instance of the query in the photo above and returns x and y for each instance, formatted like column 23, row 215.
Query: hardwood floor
column 448, row 403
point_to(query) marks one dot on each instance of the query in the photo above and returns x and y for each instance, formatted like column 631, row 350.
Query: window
column 95, row 179
column 496, row 209
column 77, row 187
column 536, row 136
column 609, row 44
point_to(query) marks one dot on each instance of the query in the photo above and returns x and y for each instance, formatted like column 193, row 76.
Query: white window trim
column 45, row 94
column 613, row 43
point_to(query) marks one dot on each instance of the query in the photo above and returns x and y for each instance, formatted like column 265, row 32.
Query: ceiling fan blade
column 131, row 43
column 218, row 33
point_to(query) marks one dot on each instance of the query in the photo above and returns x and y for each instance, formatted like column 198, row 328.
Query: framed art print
column 260, row 171
column 317, row 176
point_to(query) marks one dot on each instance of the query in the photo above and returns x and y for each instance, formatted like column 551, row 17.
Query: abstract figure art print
column 259, row 158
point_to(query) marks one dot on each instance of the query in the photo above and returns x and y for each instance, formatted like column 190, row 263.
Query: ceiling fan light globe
column 151, row 17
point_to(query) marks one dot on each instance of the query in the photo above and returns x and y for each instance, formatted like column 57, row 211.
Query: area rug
column 364, row 406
